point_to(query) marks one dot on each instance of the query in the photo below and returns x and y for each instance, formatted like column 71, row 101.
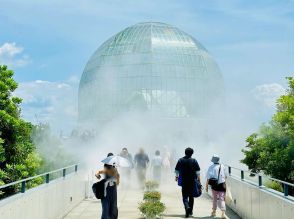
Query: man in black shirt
column 141, row 161
column 188, row 170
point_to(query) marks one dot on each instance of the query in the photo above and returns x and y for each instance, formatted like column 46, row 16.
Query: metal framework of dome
column 149, row 67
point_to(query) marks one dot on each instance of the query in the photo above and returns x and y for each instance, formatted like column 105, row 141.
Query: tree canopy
column 271, row 150
column 18, row 158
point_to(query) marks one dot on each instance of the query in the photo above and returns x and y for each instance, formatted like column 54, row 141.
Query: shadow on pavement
column 183, row 216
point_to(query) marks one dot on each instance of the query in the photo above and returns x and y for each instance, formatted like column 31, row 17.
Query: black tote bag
column 99, row 188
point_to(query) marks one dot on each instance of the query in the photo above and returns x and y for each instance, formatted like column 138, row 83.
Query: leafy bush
column 274, row 185
column 152, row 196
column 151, row 209
column 151, row 185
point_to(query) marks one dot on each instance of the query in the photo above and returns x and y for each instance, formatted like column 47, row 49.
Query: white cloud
column 10, row 49
column 74, row 79
column 49, row 102
column 268, row 93
column 12, row 55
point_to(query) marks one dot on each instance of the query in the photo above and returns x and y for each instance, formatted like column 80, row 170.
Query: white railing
column 23, row 182
column 258, row 180
column 61, row 191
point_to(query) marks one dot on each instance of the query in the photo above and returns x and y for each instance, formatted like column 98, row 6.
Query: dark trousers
column 109, row 204
column 188, row 201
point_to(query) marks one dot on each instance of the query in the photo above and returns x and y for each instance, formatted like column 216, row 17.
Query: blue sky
column 48, row 43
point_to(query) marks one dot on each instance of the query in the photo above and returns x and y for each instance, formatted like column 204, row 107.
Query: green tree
column 272, row 149
column 18, row 158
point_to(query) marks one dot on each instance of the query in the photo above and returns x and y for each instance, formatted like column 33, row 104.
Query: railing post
column 259, row 180
column 63, row 172
column 230, row 170
column 242, row 174
column 23, row 186
column 76, row 168
column 47, row 178
column 286, row 190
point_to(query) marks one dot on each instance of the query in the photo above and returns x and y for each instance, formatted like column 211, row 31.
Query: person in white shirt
column 156, row 164
column 216, row 177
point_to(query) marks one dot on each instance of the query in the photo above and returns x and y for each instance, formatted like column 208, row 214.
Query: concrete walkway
column 128, row 205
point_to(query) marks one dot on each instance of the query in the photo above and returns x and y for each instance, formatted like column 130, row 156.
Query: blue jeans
column 109, row 204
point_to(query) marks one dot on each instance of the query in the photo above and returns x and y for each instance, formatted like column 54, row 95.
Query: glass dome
column 149, row 67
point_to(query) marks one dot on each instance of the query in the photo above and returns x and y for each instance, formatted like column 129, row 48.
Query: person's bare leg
column 214, row 203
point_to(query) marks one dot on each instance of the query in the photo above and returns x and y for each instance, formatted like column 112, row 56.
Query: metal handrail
column 47, row 174
column 245, row 171
column 258, row 174
column 260, row 177
column 280, row 181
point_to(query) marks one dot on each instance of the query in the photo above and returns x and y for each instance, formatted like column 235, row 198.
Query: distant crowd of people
column 187, row 174
column 158, row 163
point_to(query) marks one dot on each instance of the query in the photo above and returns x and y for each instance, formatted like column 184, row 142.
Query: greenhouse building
column 151, row 68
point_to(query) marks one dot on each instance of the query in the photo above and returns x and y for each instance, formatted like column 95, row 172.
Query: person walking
column 141, row 161
column 126, row 171
column 188, row 171
column 109, row 202
column 156, row 164
column 166, row 159
column 216, row 177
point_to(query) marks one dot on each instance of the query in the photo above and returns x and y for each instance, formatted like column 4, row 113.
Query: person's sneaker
column 213, row 214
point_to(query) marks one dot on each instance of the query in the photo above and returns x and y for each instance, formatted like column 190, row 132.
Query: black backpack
column 213, row 182
column 98, row 189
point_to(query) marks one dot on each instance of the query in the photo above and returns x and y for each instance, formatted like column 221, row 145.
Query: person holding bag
column 188, row 177
column 109, row 198
column 216, row 178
